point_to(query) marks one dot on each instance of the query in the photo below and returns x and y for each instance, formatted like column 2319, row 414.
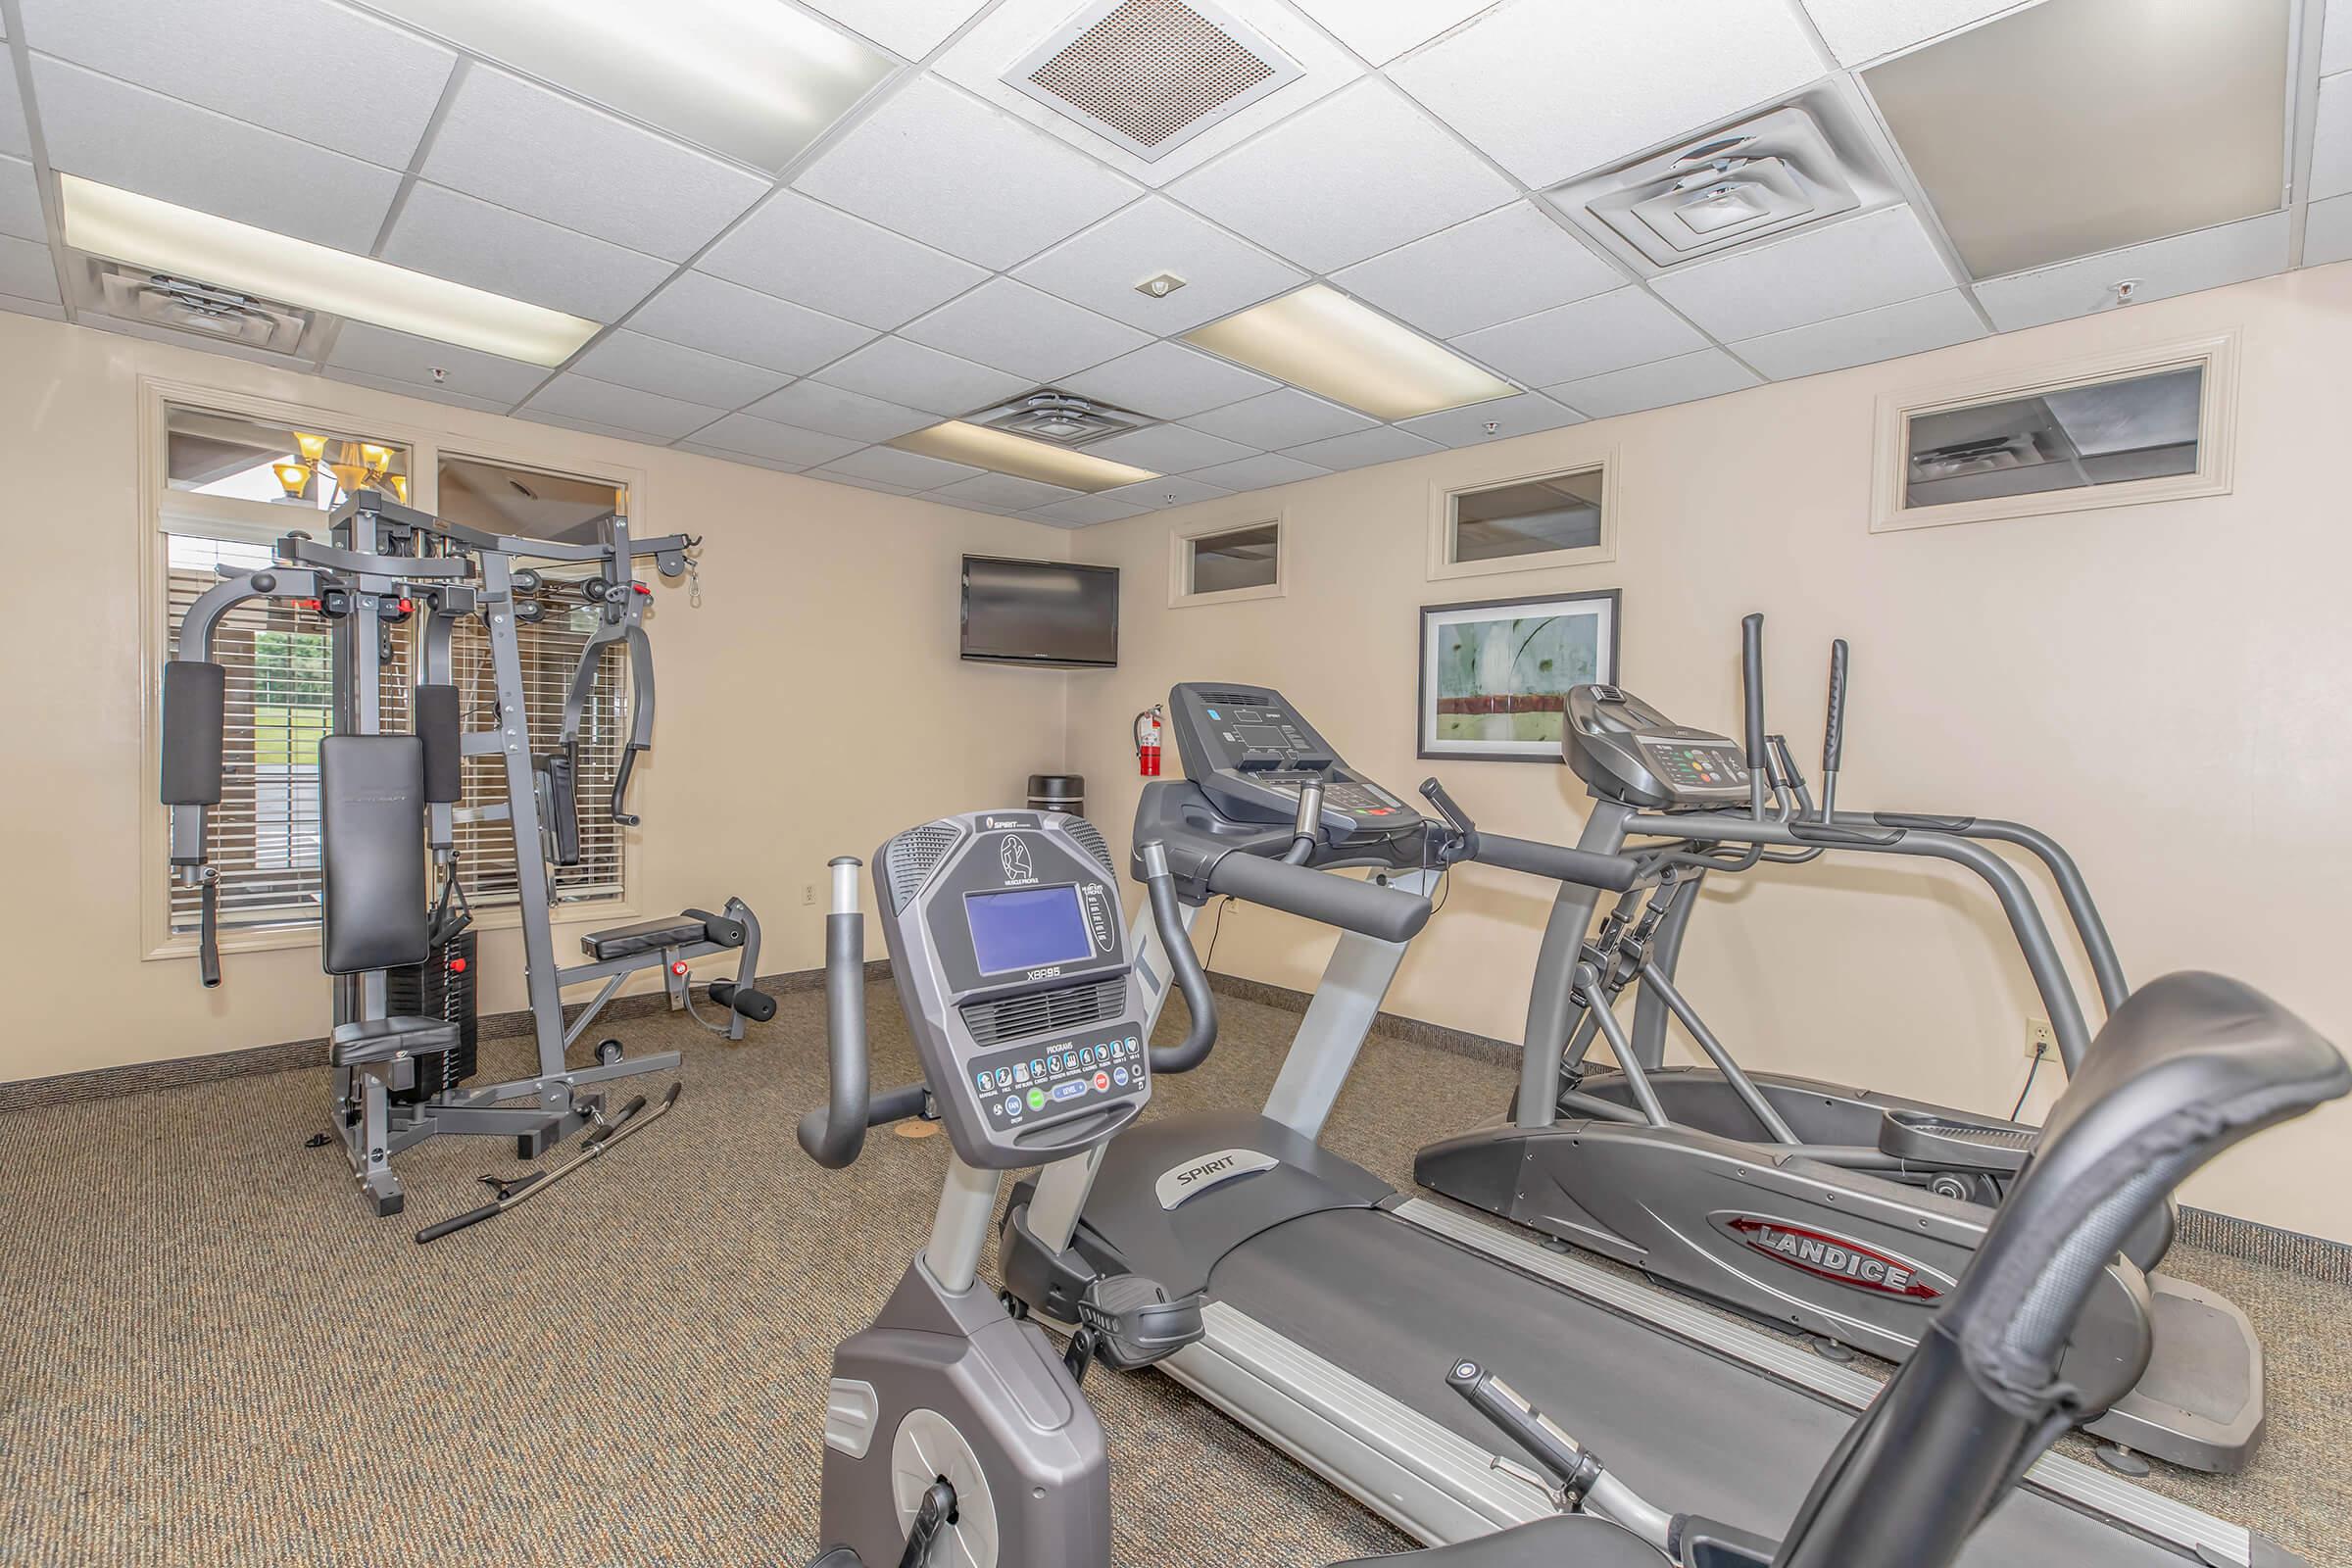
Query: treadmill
column 1333, row 1305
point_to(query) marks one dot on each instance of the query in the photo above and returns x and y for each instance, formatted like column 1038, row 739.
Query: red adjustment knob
column 407, row 605
column 456, row 966
column 643, row 589
column 678, row 968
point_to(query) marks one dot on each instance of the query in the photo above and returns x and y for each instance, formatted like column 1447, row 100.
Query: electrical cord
column 2040, row 1051
column 1216, row 927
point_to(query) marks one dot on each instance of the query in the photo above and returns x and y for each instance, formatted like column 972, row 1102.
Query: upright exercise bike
column 956, row 1435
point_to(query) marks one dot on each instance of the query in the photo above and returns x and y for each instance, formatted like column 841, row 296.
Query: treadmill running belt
column 1691, row 1431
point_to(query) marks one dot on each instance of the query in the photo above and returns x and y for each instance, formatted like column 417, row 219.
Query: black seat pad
column 646, row 936
column 1572, row 1541
column 383, row 1038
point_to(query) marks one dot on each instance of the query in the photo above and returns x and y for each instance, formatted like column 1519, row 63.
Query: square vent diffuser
column 1152, row 74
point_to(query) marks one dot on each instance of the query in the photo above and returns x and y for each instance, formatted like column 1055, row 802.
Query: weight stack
column 442, row 987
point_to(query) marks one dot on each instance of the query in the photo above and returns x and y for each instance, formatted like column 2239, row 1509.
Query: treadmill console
column 1008, row 943
column 1248, row 751
column 1629, row 751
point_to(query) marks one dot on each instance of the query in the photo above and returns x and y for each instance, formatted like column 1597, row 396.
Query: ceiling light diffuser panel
column 957, row 441
column 1319, row 340
column 756, row 81
column 123, row 226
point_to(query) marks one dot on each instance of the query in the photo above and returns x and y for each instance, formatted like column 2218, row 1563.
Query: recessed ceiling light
column 755, row 80
column 1318, row 338
column 959, row 442
column 145, row 232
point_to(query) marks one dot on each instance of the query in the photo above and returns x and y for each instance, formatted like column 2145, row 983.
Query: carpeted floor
column 212, row 1355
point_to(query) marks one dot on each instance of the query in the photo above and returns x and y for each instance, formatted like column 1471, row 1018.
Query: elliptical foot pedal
column 1128, row 1321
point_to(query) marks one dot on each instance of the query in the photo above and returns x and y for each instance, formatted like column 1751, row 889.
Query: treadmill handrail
column 1616, row 874
column 1159, row 888
column 834, row 1133
column 1387, row 914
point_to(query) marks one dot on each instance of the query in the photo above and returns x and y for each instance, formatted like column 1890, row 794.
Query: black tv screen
column 1039, row 612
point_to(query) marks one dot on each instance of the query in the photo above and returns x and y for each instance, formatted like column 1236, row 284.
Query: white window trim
column 157, row 940
column 2216, row 435
column 1179, row 562
column 1443, row 567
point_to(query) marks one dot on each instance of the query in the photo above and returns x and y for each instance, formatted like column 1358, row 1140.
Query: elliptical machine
column 956, row 1435
column 1847, row 1214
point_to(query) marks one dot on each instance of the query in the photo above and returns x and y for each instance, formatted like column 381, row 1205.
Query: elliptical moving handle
column 1751, row 695
column 1159, row 887
column 1833, row 730
column 833, row 1134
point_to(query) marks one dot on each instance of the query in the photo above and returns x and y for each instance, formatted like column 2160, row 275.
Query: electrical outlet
column 808, row 895
column 2042, row 1041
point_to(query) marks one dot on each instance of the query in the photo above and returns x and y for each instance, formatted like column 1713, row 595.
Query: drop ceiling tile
column 1284, row 417
column 1914, row 326
column 142, row 141
column 1855, row 264
column 2336, row 42
column 1364, row 448
column 1382, row 29
column 2332, row 138
column 1590, row 337
column 21, row 201
column 1358, row 174
column 2209, row 258
column 851, row 479
column 1084, row 511
column 1550, row 90
column 909, row 470
column 1262, row 473
column 1168, row 381
column 1170, row 490
column 1524, row 415
column 27, row 271
column 389, row 356
column 800, row 250
column 1510, row 263
column 1101, row 268
column 1170, row 448
column 898, row 372
column 2327, row 233
column 15, row 139
column 1017, row 328
column 474, row 242
column 913, row 27
column 579, row 397
column 741, row 458
column 565, row 421
column 778, row 443
column 259, row 60
column 648, row 363
column 945, row 169
column 1004, row 490
column 521, row 146
column 706, row 312
column 1681, row 379
column 409, row 389
column 1864, row 29
column 815, row 405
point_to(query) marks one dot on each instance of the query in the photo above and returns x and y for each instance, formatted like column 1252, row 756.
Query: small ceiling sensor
column 440, row 375
column 2124, row 289
column 1161, row 286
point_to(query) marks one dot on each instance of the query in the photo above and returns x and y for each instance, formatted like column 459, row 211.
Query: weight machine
column 390, row 803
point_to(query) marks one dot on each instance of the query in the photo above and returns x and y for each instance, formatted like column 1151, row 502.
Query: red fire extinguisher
column 1146, row 741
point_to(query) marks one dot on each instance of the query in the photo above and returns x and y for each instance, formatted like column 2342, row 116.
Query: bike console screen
column 1249, row 751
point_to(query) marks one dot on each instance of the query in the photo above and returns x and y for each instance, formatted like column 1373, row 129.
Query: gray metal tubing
column 1666, row 952
column 595, row 1005
column 1550, row 1010
column 1581, row 1043
column 1637, row 1077
column 1751, row 700
column 967, row 1212
column 2017, row 901
column 1742, row 1084
column 1615, row 872
column 1594, row 1108
column 833, row 1134
column 1184, row 964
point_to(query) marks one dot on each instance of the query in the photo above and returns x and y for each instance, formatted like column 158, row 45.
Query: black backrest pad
column 437, row 727
column 195, row 708
column 372, row 852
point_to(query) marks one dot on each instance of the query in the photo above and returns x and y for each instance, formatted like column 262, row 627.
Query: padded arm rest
column 383, row 1038
column 647, row 936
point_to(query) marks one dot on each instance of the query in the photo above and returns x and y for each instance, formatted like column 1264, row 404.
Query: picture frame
column 1494, row 673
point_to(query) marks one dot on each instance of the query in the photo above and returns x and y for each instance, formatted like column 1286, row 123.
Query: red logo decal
column 1834, row 1257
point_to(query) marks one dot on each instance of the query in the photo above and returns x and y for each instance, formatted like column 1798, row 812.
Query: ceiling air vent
column 1761, row 179
column 1059, row 417
column 1152, row 74
column 221, row 315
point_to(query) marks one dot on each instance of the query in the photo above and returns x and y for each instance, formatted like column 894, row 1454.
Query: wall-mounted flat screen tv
column 1041, row 613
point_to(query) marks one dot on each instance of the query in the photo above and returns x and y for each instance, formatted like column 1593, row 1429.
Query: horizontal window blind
column 263, row 835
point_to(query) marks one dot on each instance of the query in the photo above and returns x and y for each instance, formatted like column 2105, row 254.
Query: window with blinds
column 263, row 835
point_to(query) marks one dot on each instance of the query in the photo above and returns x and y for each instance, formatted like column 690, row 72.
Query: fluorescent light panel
column 753, row 80
column 1017, row 454
column 145, row 232
column 1318, row 338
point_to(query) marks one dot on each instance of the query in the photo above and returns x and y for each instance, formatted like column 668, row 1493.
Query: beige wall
column 2164, row 687
column 812, row 705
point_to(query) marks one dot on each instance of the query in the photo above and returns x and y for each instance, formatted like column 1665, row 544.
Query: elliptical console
column 1627, row 751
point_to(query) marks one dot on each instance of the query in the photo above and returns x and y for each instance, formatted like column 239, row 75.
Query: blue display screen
column 1027, row 928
